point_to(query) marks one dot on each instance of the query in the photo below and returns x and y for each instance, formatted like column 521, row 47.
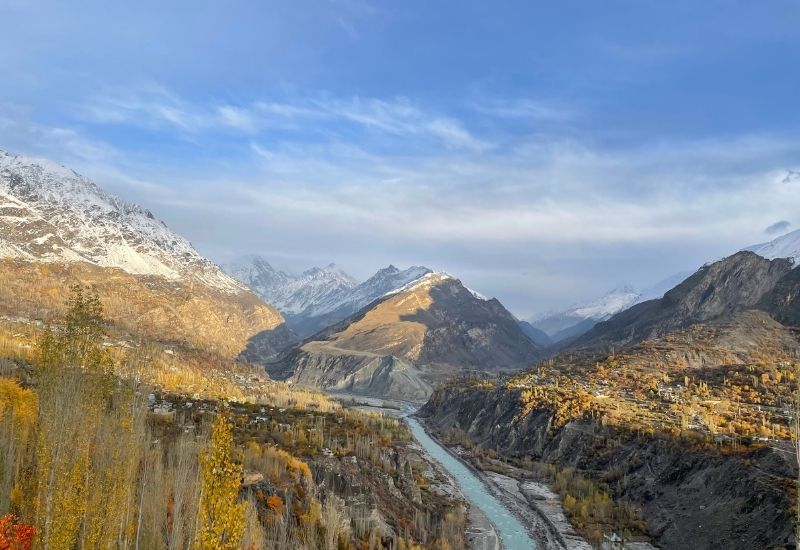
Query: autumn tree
column 15, row 535
column 17, row 424
column 82, row 482
column 222, row 516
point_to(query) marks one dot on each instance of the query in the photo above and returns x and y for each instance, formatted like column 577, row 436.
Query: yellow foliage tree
column 222, row 516
column 81, row 487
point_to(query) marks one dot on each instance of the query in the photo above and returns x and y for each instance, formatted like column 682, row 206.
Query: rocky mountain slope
column 684, row 491
column 662, row 405
column 50, row 213
column 732, row 284
column 319, row 297
column 57, row 228
column 432, row 329
column 538, row 337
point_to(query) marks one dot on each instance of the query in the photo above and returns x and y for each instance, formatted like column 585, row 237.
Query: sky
column 543, row 152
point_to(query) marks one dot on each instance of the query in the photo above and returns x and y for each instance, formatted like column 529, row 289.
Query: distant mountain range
column 317, row 289
column 319, row 297
column 576, row 320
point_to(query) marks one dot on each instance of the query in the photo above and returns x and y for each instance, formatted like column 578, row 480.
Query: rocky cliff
column 684, row 491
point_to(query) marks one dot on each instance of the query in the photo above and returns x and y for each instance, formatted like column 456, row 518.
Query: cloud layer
column 543, row 158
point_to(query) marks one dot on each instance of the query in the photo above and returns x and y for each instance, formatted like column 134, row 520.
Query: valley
column 629, row 429
column 364, row 275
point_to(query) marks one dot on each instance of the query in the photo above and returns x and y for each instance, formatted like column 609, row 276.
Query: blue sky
column 544, row 152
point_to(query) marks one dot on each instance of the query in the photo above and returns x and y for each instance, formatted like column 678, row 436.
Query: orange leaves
column 15, row 535
column 275, row 503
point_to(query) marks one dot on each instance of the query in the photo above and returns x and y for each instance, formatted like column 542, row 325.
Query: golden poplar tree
column 222, row 516
column 74, row 387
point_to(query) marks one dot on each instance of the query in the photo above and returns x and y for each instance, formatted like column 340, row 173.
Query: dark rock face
column 465, row 331
column 733, row 284
column 783, row 302
column 268, row 344
column 538, row 337
column 689, row 498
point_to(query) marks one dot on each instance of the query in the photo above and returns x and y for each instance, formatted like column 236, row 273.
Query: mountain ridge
column 739, row 282
column 406, row 341
column 58, row 229
column 51, row 213
column 319, row 297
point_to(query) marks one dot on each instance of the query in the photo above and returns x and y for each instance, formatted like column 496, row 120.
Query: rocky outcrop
column 687, row 496
column 783, row 302
column 362, row 374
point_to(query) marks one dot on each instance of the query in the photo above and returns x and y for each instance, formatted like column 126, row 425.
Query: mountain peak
column 785, row 246
column 54, row 214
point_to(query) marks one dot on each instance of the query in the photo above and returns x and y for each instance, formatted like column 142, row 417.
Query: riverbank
column 480, row 533
column 533, row 503
column 536, row 510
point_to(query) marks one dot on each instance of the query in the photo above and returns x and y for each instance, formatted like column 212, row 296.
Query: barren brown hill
column 186, row 313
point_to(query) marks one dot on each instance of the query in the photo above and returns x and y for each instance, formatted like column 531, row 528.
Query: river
column 513, row 535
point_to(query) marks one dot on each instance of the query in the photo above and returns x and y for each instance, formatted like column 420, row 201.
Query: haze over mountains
column 574, row 321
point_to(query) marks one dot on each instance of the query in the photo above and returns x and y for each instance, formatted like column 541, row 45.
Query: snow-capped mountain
column 49, row 213
column 314, row 289
column 785, row 246
column 609, row 304
column 559, row 325
column 318, row 297
column 385, row 281
column 574, row 321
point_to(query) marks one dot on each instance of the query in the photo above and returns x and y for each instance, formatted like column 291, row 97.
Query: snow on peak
column 785, row 246
column 427, row 279
column 292, row 294
column 608, row 305
column 600, row 309
column 50, row 213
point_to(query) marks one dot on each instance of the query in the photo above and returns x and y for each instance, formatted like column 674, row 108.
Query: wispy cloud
column 567, row 196
column 20, row 132
column 778, row 227
column 156, row 108
column 524, row 108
